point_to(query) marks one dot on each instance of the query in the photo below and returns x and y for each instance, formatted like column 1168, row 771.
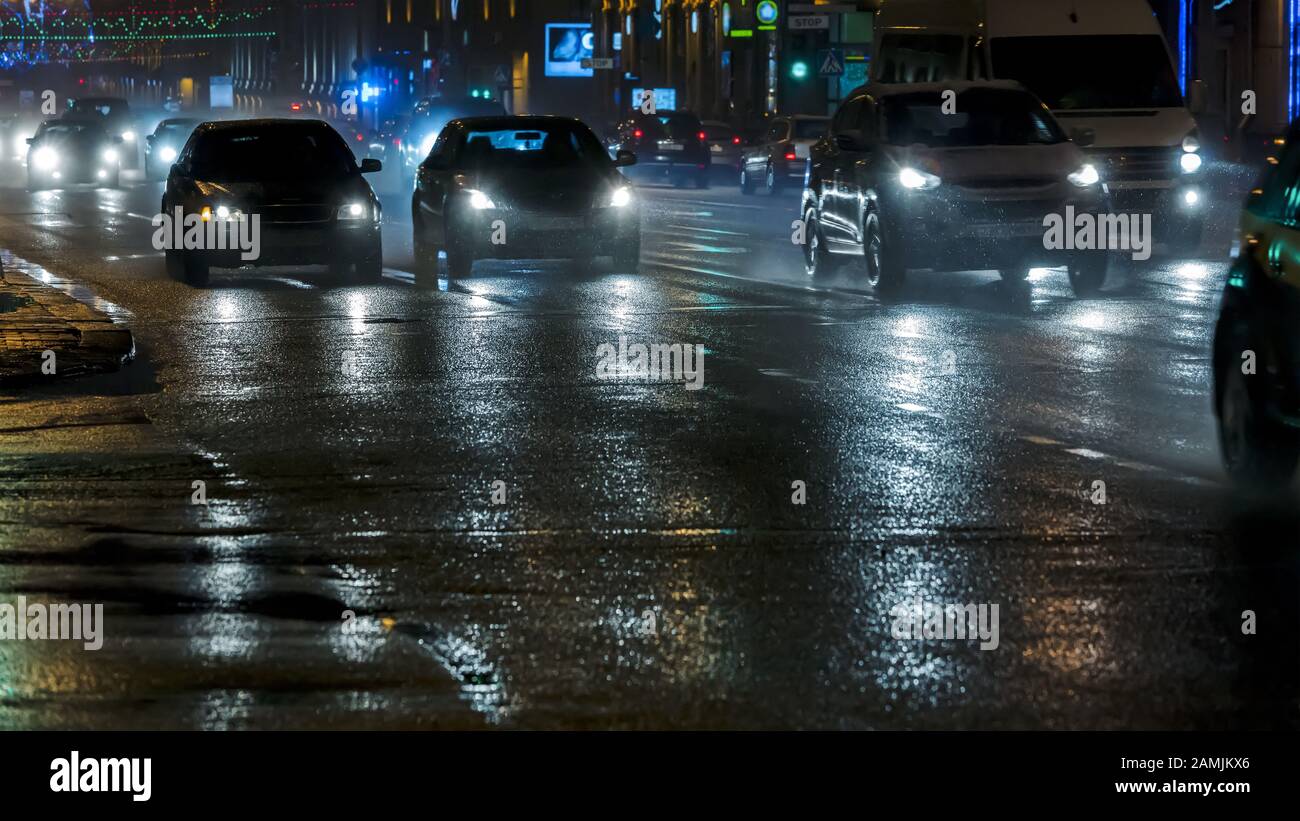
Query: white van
column 1103, row 68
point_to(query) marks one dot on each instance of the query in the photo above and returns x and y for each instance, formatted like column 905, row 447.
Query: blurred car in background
column 15, row 130
column 69, row 150
column 670, row 146
column 427, row 120
column 780, row 155
column 726, row 145
column 118, row 120
column 163, row 146
column 547, row 181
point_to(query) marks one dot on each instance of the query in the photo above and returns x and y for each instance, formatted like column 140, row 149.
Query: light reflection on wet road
column 647, row 567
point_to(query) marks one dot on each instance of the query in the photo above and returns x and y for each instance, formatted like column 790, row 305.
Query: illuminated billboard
column 567, row 45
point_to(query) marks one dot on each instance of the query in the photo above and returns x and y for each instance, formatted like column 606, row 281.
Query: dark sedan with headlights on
column 163, row 146
column 67, row 151
column 523, row 188
column 275, row 192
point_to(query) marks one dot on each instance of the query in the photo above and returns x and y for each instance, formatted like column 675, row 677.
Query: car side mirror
column 624, row 158
column 1083, row 137
column 370, row 165
column 1196, row 96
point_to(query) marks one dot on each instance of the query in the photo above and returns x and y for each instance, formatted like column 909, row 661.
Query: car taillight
column 638, row 134
column 360, row 137
column 790, row 155
column 397, row 142
column 702, row 136
column 735, row 141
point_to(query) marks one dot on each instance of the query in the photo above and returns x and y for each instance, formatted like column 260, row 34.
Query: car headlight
column 621, row 197
column 479, row 201
column 917, row 180
column 109, row 155
column 167, row 154
column 45, row 159
column 1190, row 163
column 354, row 211
column 1190, row 144
column 1085, row 176
column 129, row 136
column 221, row 212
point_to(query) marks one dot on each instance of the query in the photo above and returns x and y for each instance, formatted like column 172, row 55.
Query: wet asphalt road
column 648, row 567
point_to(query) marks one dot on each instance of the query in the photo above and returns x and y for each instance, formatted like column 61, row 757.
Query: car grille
column 296, row 213
column 553, row 202
column 989, row 183
column 1126, row 164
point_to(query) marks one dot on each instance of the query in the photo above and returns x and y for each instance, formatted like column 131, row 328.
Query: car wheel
column 816, row 258
column 460, row 262
column 426, row 253
column 771, row 183
column 1088, row 273
column 197, row 270
column 1018, row 274
column 370, row 268
column 1258, row 453
column 884, row 268
column 746, row 184
column 628, row 258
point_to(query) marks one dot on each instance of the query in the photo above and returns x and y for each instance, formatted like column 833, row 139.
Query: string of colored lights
column 133, row 27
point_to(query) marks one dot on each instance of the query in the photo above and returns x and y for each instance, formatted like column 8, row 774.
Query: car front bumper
column 498, row 233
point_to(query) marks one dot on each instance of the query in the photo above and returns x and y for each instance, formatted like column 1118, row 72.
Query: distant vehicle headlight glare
column 1085, row 176
column 1191, row 163
column 110, row 155
column 621, row 197
column 45, row 158
column 168, row 154
column 479, row 201
column 917, row 180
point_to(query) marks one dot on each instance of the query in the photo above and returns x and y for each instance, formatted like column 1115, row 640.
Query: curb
column 36, row 317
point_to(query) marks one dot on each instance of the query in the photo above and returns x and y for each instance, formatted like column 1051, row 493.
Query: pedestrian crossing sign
column 831, row 62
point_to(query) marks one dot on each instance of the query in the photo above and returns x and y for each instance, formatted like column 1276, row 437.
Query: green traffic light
column 799, row 70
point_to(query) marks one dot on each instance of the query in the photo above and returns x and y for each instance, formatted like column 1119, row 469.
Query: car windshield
column 60, row 131
column 982, row 117
column 545, row 146
column 1065, row 72
column 173, row 130
column 271, row 153
column 809, row 129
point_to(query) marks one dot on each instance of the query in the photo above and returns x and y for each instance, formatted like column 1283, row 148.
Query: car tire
column 884, row 269
column 817, row 261
column 1259, row 454
column 174, row 264
column 746, row 184
column 771, row 183
column 370, row 268
column 460, row 262
column 1014, row 275
column 197, row 270
column 426, row 253
column 1088, row 273
column 627, row 259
